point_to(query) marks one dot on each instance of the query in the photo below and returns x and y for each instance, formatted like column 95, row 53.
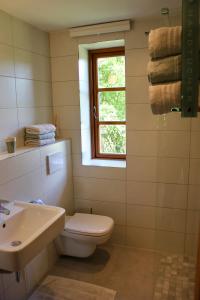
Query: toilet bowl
column 82, row 233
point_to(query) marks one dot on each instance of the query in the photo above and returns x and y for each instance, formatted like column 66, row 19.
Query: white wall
column 24, row 177
column 155, row 200
column 25, row 77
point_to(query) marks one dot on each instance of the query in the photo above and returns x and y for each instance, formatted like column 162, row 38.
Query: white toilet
column 82, row 233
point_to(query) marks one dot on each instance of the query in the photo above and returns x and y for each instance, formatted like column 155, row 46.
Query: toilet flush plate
column 55, row 162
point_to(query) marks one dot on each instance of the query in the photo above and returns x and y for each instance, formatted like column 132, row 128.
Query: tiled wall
column 154, row 201
column 24, row 177
column 25, row 78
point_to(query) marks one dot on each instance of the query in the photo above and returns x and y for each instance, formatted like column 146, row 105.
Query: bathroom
column 151, row 193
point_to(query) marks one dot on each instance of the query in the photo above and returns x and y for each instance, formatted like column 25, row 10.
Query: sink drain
column 15, row 243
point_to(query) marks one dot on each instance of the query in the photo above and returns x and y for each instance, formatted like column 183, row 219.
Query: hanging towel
column 40, row 129
column 44, row 136
column 165, row 41
column 38, row 143
column 164, row 97
column 165, row 70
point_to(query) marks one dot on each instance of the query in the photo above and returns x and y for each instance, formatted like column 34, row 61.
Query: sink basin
column 26, row 231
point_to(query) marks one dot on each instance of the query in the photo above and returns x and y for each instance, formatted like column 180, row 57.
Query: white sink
column 26, row 231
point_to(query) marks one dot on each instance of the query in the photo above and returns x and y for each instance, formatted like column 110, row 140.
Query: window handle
column 95, row 112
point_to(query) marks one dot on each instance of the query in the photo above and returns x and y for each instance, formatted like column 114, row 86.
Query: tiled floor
column 175, row 278
column 128, row 271
column 133, row 274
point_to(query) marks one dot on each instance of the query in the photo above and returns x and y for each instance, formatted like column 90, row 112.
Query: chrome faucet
column 4, row 210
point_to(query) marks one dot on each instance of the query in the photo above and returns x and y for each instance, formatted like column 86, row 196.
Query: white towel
column 38, row 143
column 40, row 129
column 44, row 136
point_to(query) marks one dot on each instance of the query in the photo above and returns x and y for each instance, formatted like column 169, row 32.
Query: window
column 108, row 107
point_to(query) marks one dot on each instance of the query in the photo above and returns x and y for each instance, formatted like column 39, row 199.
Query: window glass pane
column 112, row 106
column 111, row 72
column 112, row 139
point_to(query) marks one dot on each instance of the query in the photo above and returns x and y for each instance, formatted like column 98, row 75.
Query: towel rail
column 190, row 58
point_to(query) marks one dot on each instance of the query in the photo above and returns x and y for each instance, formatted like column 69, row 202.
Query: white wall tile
column 99, row 189
column 5, row 28
column 157, row 194
column 31, row 66
column 75, row 137
column 141, row 237
column 171, row 242
column 68, row 117
column 193, row 222
column 142, row 168
column 117, row 211
column 8, row 122
column 25, row 188
column 191, row 245
column 65, row 93
column 58, row 187
column 136, row 38
column 6, row 60
column 30, row 38
column 195, row 144
column 20, row 165
column 62, row 45
column 64, row 68
column 136, row 62
column 37, row 115
column 59, row 146
column 140, row 117
column 174, row 144
column 31, row 93
column 173, row 170
column 194, row 197
column 194, row 176
column 118, row 235
column 172, row 195
column 137, row 89
column 141, row 216
column 196, row 123
column 141, row 193
column 7, row 95
column 170, row 219
column 173, row 121
column 97, row 172
column 142, row 143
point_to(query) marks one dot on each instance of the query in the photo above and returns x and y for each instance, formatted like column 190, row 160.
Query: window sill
column 105, row 163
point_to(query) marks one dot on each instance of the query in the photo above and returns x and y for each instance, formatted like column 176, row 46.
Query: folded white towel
column 40, row 129
column 38, row 143
column 43, row 136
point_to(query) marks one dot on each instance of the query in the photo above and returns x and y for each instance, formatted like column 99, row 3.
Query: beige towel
column 38, row 143
column 165, row 70
column 164, row 97
column 44, row 136
column 165, row 41
column 40, row 129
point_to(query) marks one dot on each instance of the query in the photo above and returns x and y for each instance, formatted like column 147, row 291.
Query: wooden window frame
column 94, row 111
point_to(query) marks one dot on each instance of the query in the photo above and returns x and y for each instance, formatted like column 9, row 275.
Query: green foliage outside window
column 111, row 74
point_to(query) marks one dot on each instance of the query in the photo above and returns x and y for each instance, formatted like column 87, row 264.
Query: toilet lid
column 88, row 224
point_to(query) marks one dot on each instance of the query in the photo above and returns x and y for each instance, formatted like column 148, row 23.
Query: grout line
column 188, row 184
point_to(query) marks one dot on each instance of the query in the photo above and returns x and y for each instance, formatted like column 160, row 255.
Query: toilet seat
column 88, row 225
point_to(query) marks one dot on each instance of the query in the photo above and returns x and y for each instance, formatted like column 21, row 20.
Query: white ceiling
column 57, row 14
